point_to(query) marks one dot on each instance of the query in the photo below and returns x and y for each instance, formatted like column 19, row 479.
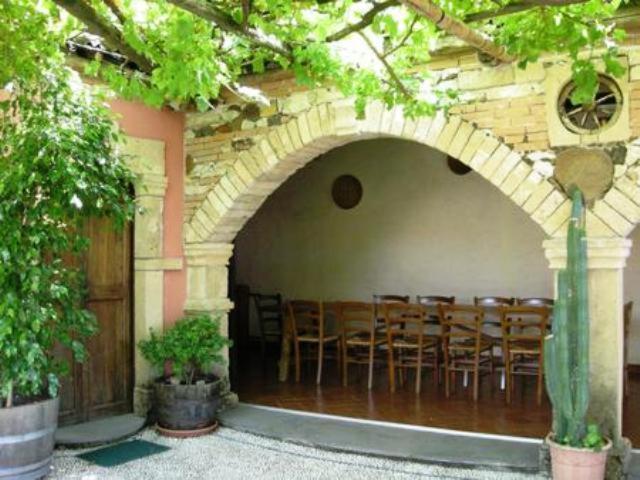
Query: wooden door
column 103, row 385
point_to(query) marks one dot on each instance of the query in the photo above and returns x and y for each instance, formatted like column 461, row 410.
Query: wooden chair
column 523, row 331
column 492, row 326
column 628, row 315
column 433, row 301
column 535, row 302
column 465, row 347
column 360, row 340
column 408, row 344
column 493, row 301
column 307, row 324
column 269, row 310
column 429, row 300
column 379, row 300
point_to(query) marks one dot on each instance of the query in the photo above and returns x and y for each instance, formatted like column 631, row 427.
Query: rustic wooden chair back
column 357, row 321
column 493, row 301
column 409, row 346
column 464, row 345
column 535, row 302
column 431, row 300
column 270, row 313
column 524, row 329
column 306, row 318
column 382, row 299
column 461, row 323
column 379, row 300
column 628, row 315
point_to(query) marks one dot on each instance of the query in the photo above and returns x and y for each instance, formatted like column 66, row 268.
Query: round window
column 346, row 191
column 594, row 116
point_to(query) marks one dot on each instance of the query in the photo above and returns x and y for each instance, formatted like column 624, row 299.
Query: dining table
column 491, row 329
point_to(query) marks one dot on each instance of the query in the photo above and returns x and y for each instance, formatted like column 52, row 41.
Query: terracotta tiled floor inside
column 257, row 383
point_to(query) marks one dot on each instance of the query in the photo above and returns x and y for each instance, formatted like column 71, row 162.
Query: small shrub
column 192, row 346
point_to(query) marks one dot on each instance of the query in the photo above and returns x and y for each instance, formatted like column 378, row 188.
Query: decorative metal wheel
column 594, row 116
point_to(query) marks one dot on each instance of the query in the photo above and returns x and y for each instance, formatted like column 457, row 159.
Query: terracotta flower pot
column 569, row 463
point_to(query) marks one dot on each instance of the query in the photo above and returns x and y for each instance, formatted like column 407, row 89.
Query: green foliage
column 58, row 166
column 191, row 347
column 195, row 59
column 566, row 351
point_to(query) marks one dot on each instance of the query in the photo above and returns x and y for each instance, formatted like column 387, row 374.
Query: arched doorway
column 419, row 229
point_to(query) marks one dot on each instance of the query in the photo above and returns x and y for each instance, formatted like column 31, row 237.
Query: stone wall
column 515, row 107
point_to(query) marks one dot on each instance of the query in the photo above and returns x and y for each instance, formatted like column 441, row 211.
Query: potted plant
column 187, row 394
column 59, row 166
column 578, row 450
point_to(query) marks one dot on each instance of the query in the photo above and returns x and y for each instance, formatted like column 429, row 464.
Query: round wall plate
column 346, row 191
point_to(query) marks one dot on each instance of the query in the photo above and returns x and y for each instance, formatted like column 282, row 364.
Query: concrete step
column 99, row 432
column 385, row 439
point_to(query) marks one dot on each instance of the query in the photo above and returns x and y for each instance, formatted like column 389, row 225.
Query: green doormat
column 124, row 452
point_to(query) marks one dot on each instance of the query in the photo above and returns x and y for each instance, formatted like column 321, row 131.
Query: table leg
column 285, row 356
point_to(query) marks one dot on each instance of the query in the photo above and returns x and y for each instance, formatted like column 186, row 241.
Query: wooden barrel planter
column 27, row 439
column 187, row 408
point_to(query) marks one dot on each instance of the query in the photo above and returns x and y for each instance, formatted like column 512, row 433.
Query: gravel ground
column 231, row 455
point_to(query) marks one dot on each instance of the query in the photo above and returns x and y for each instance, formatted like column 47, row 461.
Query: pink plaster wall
column 140, row 121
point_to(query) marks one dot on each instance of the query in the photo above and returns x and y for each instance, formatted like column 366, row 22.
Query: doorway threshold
column 99, row 432
column 386, row 439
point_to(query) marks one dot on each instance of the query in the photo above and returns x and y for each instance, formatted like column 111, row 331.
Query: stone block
column 537, row 196
column 612, row 218
column 475, row 140
column 547, row 207
column 505, row 167
column 526, row 188
column 515, row 178
column 485, row 77
column 460, row 139
column 534, row 72
column 557, row 219
column 448, row 132
column 436, row 127
column 484, row 151
column 623, row 205
column 494, row 161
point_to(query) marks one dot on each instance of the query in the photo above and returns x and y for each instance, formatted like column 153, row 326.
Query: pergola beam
column 458, row 29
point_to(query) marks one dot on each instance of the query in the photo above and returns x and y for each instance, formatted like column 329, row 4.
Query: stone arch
column 257, row 172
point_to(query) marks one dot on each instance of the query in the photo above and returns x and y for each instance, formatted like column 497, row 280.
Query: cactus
column 566, row 352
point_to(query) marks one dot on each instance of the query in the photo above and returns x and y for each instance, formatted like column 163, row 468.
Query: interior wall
column 632, row 293
column 419, row 229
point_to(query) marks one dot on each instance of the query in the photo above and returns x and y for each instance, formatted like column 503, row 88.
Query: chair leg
column 320, row 361
column 436, row 369
column 296, row 348
column 476, row 377
column 508, row 378
column 345, row 365
column 419, row 372
column 370, row 379
column 447, row 377
column 339, row 354
column 540, row 382
column 392, row 369
column 626, row 380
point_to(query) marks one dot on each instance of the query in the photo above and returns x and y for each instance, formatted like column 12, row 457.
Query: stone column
column 148, row 278
column 208, row 280
column 207, row 292
column 606, row 262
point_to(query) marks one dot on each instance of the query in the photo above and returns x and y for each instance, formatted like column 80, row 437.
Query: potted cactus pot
column 578, row 450
column 187, row 393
